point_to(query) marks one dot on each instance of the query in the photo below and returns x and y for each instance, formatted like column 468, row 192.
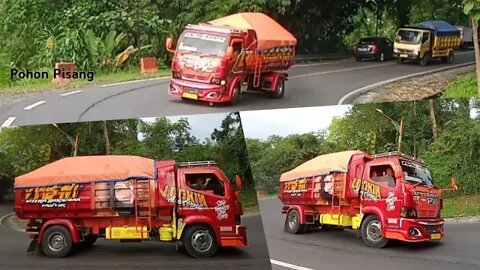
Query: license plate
column 362, row 49
column 403, row 55
column 190, row 95
column 435, row 236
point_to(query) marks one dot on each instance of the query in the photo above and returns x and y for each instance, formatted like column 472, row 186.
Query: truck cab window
column 205, row 182
column 237, row 48
column 425, row 37
column 383, row 174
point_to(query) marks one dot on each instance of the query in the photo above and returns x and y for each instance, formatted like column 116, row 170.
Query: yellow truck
column 426, row 41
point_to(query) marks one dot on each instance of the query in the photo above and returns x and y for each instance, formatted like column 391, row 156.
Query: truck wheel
column 235, row 95
column 200, row 241
column 450, row 58
column 292, row 223
column 57, row 242
column 280, row 91
column 371, row 231
column 425, row 59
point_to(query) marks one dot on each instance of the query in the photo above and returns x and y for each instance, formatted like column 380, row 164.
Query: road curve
column 341, row 250
column 114, row 255
column 309, row 85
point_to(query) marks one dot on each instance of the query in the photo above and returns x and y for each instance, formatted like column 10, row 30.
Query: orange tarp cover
column 88, row 169
column 321, row 165
column 269, row 32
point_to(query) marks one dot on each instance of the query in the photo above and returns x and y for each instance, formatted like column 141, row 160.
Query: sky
column 283, row 122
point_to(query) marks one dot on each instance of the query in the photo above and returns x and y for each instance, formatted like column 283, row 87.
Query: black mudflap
column 33, row 247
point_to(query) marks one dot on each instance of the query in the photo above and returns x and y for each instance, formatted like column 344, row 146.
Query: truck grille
column 404, row 51
column 432, row 228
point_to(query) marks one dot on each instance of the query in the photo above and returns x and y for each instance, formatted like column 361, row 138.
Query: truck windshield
column 202, row 43
column 416, row 174
column 409, row 36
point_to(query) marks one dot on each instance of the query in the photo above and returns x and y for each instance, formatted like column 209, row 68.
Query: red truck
column 217, row 61
column 385, row 196
column 72, row 202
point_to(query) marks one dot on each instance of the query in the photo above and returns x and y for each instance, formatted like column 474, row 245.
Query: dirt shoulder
column 415, row 88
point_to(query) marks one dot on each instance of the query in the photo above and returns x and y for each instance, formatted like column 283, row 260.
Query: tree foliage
column 24, row 149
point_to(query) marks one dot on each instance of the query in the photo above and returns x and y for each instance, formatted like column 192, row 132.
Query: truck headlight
column 218, row 81
column 395, row 50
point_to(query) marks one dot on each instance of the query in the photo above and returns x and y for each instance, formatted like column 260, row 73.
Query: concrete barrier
column 148, row 65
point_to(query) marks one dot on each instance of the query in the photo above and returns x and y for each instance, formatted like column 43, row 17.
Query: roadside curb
column 463, row 220
column 7, row 221
column 351, row 96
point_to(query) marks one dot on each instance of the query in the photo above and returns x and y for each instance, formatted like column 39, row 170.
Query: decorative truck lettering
column 53, row 196
column 388, row 196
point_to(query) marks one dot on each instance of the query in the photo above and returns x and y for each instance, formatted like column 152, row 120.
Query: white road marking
column 71, row 93
column 340, row 70
column 378, row 84
column 135, row 81
column 31, row 106
column 8, row 122
column 288, row 265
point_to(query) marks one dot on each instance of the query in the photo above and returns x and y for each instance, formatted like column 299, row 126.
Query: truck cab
column 205, row 59
column 400, row 195
column 412, row 44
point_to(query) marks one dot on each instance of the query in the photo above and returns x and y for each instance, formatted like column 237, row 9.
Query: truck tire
column 235, row 94
column 425, row 59
column 200, row 241
column 57, row 242
column 280, row 91
column 371, row 231
column 292, row 223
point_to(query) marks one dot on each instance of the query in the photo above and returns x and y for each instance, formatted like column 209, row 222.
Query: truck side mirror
column 238, row 182
column 169, row 44
column 229, row 53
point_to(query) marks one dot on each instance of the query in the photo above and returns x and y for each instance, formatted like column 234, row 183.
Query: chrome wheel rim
column 202, row 240
column 374, row 231
column 292, row 221
column 56, row 242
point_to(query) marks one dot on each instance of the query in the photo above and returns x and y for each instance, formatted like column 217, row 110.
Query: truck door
column 238, row 56
column 205, row 193
column 381, row 189
column 427, row 44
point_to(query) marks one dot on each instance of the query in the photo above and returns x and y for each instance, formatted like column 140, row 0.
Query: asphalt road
column 106, row 254
column 309, row 85
column 341, row 250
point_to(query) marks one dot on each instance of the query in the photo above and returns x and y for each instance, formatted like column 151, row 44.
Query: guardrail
column 318, row 57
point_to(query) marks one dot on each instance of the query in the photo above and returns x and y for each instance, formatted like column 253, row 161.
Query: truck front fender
column 197, row 219
column 67, row 223
column 235, row 81
column 371, row 210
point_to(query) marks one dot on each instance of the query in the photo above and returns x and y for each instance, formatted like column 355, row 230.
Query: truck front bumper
column 198, row 91
column 417, row 230
column 239, row 239
column 409, row 56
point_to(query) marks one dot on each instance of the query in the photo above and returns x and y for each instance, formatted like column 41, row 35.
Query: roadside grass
column 38, row 85
column 461, row 206
column 464, row 86
column 249, row 201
